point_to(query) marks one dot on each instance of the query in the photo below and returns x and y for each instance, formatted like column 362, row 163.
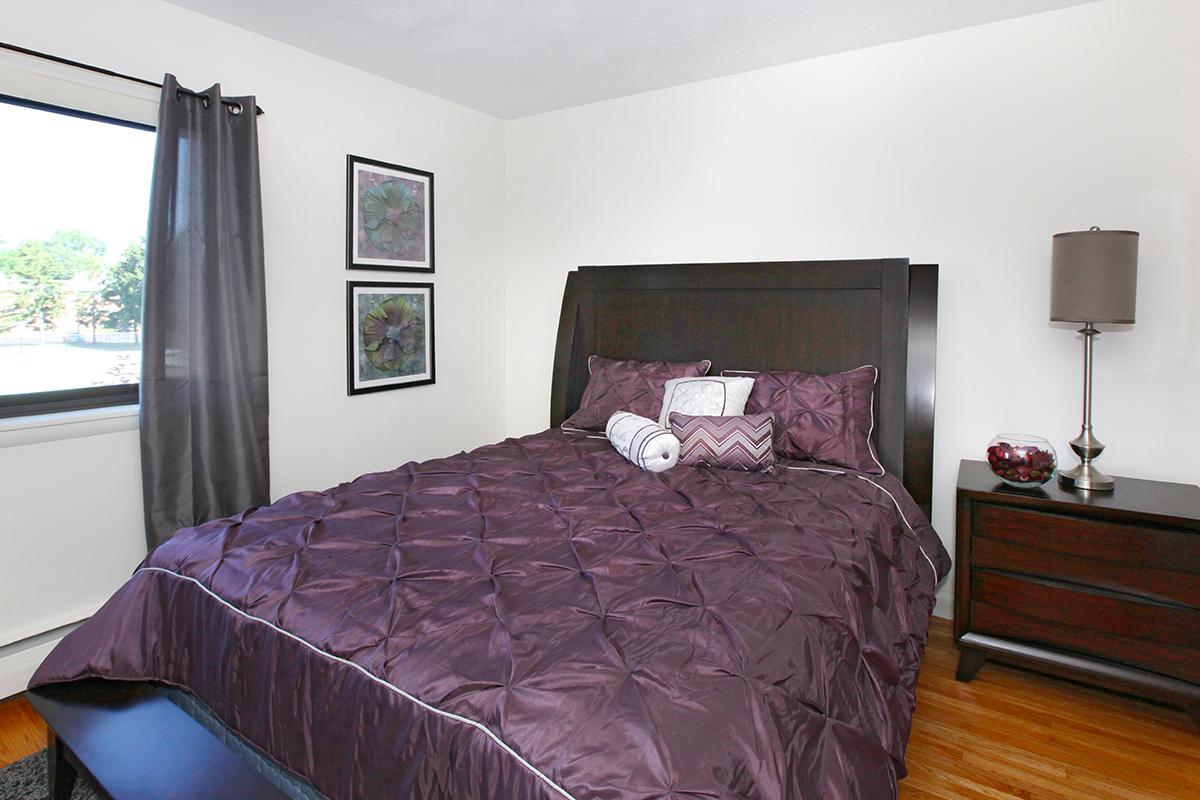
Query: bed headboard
column 816, row 316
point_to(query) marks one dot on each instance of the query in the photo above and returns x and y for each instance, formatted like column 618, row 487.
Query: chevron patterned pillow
column 725, row 442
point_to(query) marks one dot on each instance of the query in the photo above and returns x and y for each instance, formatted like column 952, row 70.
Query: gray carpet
column 26, row 780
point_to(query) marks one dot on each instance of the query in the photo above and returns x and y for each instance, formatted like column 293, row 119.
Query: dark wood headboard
column 815, row 316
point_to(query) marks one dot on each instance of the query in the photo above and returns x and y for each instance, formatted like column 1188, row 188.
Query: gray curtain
column 204, row 351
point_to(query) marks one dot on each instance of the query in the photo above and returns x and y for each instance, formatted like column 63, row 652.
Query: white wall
column 967, row 149
column 71, row 528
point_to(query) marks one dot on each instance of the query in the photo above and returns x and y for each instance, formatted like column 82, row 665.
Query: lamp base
column 1087, row 478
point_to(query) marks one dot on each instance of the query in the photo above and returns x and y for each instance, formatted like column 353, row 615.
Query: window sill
column 37, row 428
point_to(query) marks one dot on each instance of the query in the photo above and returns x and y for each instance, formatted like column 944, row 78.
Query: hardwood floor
column 21, row 730
column 1015, row 734
column 1008, row 735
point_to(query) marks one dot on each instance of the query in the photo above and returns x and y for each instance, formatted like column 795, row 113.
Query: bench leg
column 60, row 774
column 969, row 663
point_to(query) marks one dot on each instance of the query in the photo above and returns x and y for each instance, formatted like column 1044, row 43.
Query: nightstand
column 1100, row 587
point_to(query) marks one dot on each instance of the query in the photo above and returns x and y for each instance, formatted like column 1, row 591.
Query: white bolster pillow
column 642, row 441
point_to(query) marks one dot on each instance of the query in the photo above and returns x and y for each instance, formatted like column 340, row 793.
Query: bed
column 541, row 619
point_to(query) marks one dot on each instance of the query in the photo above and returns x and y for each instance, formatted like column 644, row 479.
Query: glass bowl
column 1021, row 459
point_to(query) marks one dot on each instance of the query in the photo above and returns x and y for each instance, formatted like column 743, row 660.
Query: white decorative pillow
column 705, row 397
column 650, row 446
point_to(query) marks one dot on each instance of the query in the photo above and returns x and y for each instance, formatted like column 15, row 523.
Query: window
column 74, row 201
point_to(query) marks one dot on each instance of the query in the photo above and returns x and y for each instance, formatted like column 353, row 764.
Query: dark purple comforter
column 541, row 619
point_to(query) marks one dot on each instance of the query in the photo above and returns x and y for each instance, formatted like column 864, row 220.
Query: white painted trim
column 16, row 669
column 62, row 85
column 944, row 607
column 43, row 625
column 20, row 431
column 412, row 698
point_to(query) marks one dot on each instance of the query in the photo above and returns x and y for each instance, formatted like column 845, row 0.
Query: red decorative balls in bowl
column 1022, row 460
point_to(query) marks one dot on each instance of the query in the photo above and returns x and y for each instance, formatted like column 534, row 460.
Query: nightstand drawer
column 1156, row 563
column 1095, row 586
column 1154, row 636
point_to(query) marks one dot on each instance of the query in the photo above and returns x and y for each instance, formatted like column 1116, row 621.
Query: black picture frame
column 409, row 182
column 356, row 382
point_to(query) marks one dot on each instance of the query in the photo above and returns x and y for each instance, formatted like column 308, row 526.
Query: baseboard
column 39, row 625
column 18, row 668
column 19, row 660
column 944, row 607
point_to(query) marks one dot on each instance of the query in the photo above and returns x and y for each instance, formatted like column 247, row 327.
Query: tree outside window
column 72, row 257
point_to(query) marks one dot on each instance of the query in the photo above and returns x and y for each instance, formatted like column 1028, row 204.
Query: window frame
column 88, row 397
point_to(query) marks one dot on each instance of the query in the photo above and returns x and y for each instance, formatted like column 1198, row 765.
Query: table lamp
column 1094, row 279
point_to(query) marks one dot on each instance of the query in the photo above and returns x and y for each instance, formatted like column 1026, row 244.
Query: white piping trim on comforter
column 418, row 701
column 899, row 511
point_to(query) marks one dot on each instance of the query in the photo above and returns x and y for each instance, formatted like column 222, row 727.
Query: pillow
column 643, row 441
column 633, row 386
column 742, row 442
column 825, row 418
column 698, row 397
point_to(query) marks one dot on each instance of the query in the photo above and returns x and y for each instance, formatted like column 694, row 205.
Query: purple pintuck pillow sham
column 742, row 442
column 824, row 418
column 633, row 386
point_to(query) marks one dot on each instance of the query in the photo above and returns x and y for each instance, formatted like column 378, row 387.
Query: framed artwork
column 389, row 335
column 389, row 216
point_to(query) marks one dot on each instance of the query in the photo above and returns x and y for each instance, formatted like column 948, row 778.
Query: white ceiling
column 512, row 58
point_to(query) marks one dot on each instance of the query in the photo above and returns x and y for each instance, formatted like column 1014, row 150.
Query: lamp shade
column 1094, row 276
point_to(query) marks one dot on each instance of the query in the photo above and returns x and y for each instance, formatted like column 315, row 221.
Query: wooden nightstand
column 1098, row 587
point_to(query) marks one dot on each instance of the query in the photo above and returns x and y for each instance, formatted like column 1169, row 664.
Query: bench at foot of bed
column 130, row 743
